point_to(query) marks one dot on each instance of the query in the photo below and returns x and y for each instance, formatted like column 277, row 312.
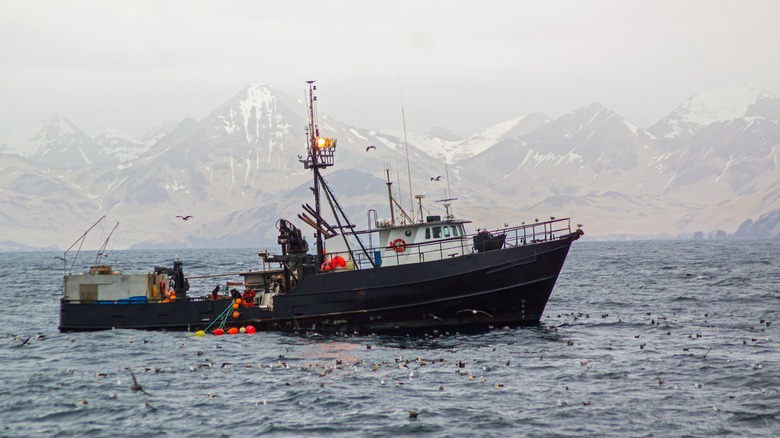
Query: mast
column 448, row 195
column 390, row 195
column 320, row 154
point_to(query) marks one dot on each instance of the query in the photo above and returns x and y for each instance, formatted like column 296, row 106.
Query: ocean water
column 659, row 338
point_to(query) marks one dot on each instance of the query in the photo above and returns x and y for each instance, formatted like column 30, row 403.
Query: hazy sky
column 461, row 65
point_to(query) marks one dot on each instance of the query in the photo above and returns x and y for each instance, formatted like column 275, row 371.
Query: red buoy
column 219, row 332
column 250, row 330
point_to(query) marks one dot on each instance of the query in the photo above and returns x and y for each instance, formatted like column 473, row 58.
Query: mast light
column 323, row 142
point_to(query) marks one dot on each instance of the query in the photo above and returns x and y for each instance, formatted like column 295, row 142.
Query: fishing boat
column 416, row 273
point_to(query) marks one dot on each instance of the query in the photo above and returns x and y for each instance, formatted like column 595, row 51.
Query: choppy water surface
column 639, row 339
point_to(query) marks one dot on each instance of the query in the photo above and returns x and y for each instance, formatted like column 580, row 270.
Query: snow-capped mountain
column 725, row 159
column 720, row 105
column 56, row 142
column 237, row 172
column 120, row 145
column 590, row 149
column 459, row 150
column 511, row 129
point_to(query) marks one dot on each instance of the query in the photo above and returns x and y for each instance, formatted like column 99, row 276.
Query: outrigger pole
column 102, row 251
column 80, row 239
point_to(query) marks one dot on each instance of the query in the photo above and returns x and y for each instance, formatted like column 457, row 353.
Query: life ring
column 398, row 245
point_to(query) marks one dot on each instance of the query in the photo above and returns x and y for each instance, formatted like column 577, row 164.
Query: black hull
column 506, row 287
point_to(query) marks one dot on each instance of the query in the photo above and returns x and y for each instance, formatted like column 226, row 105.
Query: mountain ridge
column 239, row 165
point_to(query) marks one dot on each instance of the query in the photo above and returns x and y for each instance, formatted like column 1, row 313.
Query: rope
column 222, row 316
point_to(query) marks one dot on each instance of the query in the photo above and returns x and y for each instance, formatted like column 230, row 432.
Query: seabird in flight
column 135, row 386
column 474, row 312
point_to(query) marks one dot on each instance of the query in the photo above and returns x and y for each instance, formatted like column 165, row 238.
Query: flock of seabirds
column 401, row 371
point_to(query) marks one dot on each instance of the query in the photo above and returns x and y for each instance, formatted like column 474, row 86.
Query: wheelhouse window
column 427, row 233
column 446, row 231
column 455, row 231
column 437, row 232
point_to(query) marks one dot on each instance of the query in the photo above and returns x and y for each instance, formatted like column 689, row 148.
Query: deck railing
column 526, row 234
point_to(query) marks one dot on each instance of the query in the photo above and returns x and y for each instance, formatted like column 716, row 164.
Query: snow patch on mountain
column 120, row 145
column 35, row 139
column 483, row 139
column 458, row 150
column 703, row 109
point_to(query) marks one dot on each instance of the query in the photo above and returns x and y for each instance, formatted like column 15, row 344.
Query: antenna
column 408, row 169
column 400, row 195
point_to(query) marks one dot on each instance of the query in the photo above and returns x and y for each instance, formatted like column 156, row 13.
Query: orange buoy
column 339, row 261
column 238, row 301
column 250, row 330
column 232, row 331
column 219, row 332
column 235, row 306
column 172, row 297
column 236, row 314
